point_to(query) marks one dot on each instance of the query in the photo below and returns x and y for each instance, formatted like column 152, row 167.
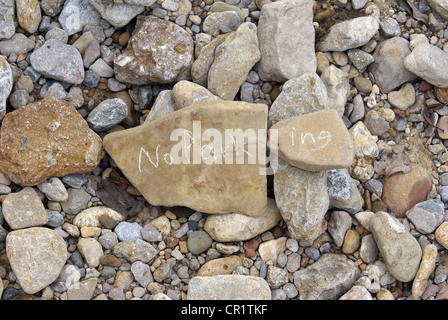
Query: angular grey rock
column 36, row 256
column 349, row 34
column 18, row 43
column 234, row 58
column 426, row 216
column 368, row 250
column 400, row 250
column 360, row 58
column 376, row 123
column 54, row 189
column 77, row 201
column 225, row 22
column 388, row 68
column 340, row 222
column 76, row 14
column 299, row 96
column 142, row 273
column 117, row 14
column 338, row 87
column 101, row 68
column 327, row 279
column 6, row 82
column 228, row 287
column 59, row 61
column 302, row 199
column 51, row 7
column 7, row 12
column 107, row 114
column 128, row 231
column 286, row 37
column 163, row 106
column 426, row 61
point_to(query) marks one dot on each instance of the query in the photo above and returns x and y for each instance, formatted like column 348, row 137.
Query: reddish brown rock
column 401, row 191
column 44, row 139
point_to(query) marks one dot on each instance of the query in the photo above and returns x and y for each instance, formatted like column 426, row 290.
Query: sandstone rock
column 388, row 67
column 401, row 191
column 403, row 98
column 228, row 287
column 426, row 61
column 302, row 199
column 270, row 250
column 7, row 27
column 299, row 96
column 6, row 82
column 117, row 14
column 315, row 141
column 159, row 51
column 427, row 266
column 338, row 87
column 47, row 138
column 186, row 93
column 400, row 250
column 145, row 155
column 36, row 256
column 340, row 222
column 82, row 290
column 24, row 209
column 349, row 34
column 286, row 36
column 60, row 61
column 327, row 279
column 442, row 234
column 351, row 242
column 223, row 6
column 239, row 227
column 28, row 14
column 201, row 66
column 234, row 58
column 220, row 266
column 91, row 250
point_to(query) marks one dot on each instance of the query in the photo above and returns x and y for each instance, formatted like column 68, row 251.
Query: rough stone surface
column 426, row 216
column 7, row 27
column 186, row 93
column 349, row 34
column 159, row 51
column 426, row 61
column 6, row 82
column 107, row 114
column 401, row 191
column 388, row 68
column 135, row 250
column 400, row 250
column 58, row 61
column 286, row 37
column 302, row 199
column 234, row 58
column 117, row 14
column 239, row 227
column 338, row 87
column 142, row 160
column 28, row 14
column 32, row 129
column 36, row 256
column 316, row 141
column 76, row 14
column 24, row 209
column 224, row 287
column 327, row 279
column 91, row 217
column 299, row 96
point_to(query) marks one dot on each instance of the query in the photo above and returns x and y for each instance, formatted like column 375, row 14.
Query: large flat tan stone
column 203, row 175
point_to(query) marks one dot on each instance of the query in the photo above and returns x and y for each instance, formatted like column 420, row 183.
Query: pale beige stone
column 186, row 93
column 427, row 266
column 36, row 256
column 219, row 266
column 90, row 217
column 185, row 172
column 315, row 141
column 270, row 250
column 239, row 227
column 442, row 234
